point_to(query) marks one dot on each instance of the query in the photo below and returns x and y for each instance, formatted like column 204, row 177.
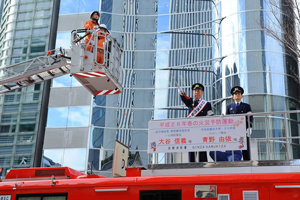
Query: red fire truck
column 61, row 183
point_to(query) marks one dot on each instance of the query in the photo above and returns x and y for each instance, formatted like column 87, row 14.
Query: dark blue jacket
column 191, row 103
column 243, row 108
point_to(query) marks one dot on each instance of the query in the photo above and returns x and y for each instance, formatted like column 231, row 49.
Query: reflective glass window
column 26, row 6
column 22, row 16
column 23, row 32
column 98, row 118
column 62, row 81
column 35, row 40
column 79, row 116
column 9, row 118
column 12, row 98
column 23, row 1
column 94, row 157
column 41, row 22
column 43, row 5
column 68, row 116
column 22, row 149
column 74, row 158
column 97, row 138
column 17, row 51
column 19, row 42
column 28, row 117
column 278, row 149
column 10, row 108
column 275, row 103
column 163, row 7
column 42, row 13
column 40, row 31
column 29, row 107
column 27, row 127
column 36, row 49
column 294, row 148
column 57, row 117
column 29, row 97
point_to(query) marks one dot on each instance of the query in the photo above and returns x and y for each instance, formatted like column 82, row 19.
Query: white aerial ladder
column 98, row 78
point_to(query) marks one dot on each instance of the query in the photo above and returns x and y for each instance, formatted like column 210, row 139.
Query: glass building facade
column 157, row 35
column 190, row 52
column 25, row 27
column 265, row 70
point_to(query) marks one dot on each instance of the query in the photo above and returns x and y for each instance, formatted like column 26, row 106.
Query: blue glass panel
column 163, row 6
column 75, row 158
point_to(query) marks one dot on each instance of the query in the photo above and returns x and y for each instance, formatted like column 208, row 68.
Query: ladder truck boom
column 98, row 78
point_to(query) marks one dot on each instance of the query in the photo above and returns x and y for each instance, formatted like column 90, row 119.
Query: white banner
column 216, row 133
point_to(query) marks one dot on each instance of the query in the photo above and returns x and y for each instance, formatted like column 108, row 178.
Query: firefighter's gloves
column 210, row 113
column 180, row 91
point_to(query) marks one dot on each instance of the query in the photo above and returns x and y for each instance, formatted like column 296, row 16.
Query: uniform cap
column 198, row 86
column 237, row 89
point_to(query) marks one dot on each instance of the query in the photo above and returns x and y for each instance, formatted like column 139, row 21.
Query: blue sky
column 78, row 6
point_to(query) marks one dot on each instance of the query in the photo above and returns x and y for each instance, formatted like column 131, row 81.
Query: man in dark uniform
column 197, row 107
column 238, row 107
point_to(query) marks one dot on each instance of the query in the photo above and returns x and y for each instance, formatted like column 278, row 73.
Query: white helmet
column 103, row 26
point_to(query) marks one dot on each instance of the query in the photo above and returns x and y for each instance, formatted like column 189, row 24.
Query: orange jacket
column 90, row 25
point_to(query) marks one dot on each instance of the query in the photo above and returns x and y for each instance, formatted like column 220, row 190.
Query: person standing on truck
column 238, row 107
column 197, row 107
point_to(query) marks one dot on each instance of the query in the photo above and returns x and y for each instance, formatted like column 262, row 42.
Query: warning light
column 126, row 74
column 128, row 37
column 48, row 52
column 205, row 71
column 204, row 33
column 124, row 113
column 131, row 3
column 85, row 56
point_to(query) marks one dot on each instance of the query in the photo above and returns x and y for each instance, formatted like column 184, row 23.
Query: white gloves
column 248, row 132
column 180, row 92
column 210, row 113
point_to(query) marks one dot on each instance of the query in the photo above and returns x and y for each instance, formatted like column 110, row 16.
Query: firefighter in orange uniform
column 90, row 25
column 102, row 34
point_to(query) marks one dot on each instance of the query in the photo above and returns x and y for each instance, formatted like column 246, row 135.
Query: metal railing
column 111, row 49
column 275, row 136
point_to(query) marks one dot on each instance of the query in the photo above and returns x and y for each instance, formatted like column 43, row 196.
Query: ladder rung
column 6, row 87
column 40, row 77
column 50, row 73
column 62, row 70
column 30, row 80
